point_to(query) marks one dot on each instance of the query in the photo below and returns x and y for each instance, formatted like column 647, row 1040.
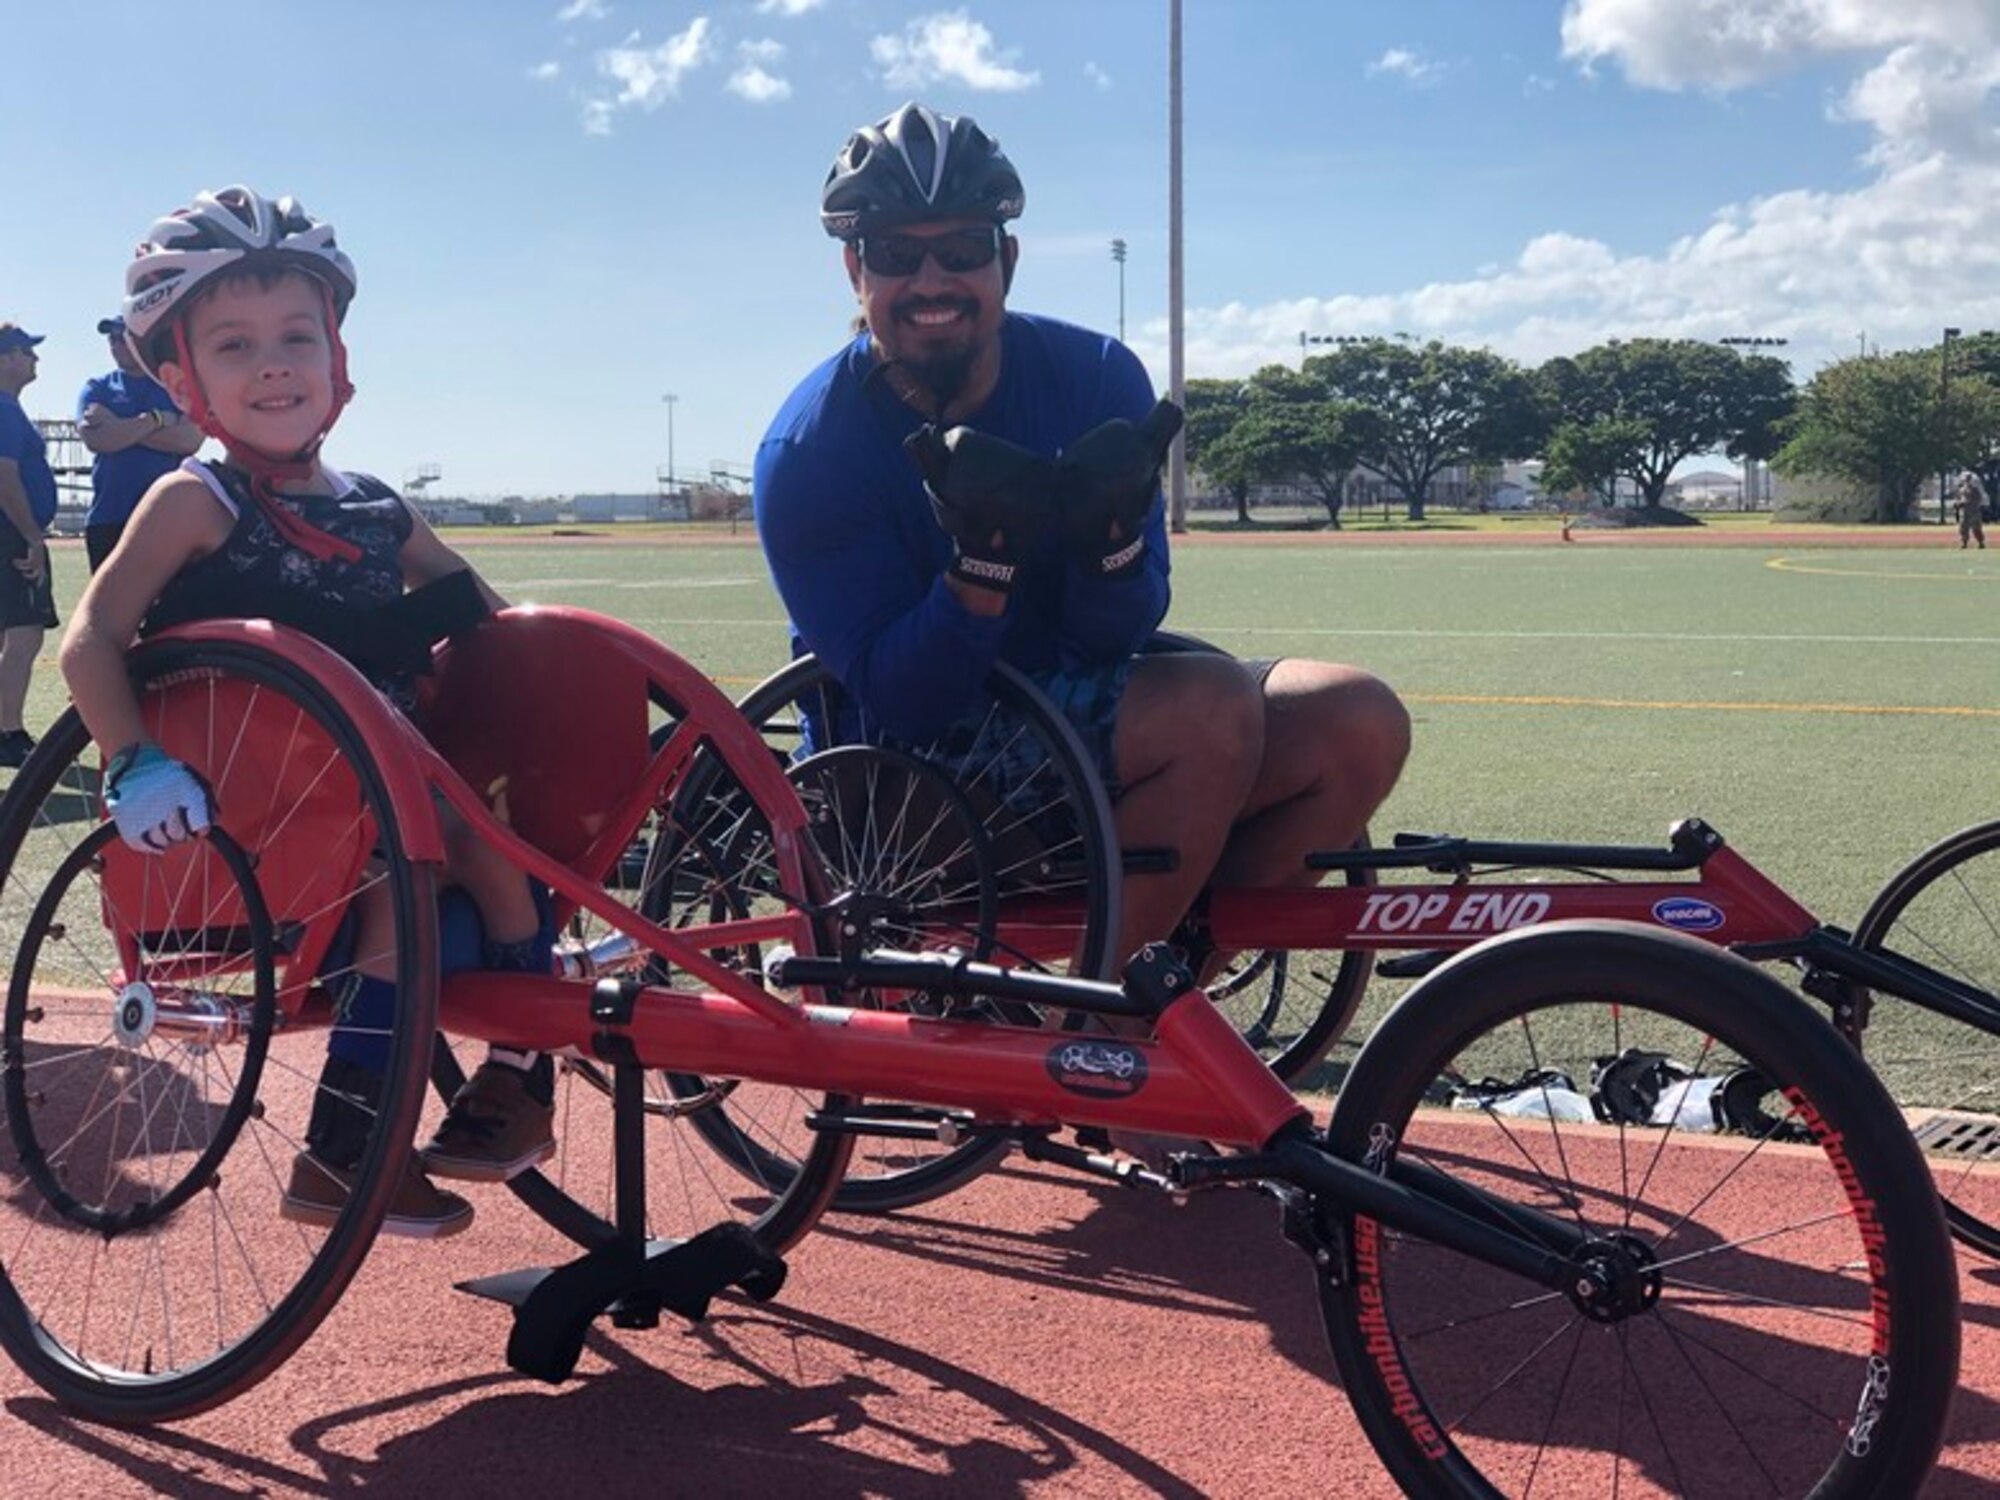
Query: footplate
column 554, row 1308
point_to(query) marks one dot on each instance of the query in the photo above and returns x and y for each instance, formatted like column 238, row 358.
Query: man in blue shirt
column 131, row 424
column 27, row 506
column 909, row 598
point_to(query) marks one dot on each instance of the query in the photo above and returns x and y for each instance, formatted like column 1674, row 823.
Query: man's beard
column 944, row 373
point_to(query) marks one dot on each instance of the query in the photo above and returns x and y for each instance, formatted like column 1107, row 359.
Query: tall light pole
column 1118, row 254
column 1944, row 395
column 670, row 400
column 1315, row 338
column 1748, row 498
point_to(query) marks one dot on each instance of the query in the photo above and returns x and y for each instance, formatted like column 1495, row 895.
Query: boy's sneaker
column 317, row 1193
column 494, row 1130
column 14, row 747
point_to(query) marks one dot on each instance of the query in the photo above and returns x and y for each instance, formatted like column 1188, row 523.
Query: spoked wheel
column 165, row 1033
column 724, row 1149
column 994, row 840
column 1943, row 911
column 1763, row 1308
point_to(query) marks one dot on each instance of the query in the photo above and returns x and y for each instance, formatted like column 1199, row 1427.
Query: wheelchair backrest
column 546, row 720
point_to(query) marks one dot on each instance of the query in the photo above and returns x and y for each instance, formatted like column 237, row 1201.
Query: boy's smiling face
column 261, row 352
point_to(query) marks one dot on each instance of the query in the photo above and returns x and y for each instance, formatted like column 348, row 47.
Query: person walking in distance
column 1971, row 512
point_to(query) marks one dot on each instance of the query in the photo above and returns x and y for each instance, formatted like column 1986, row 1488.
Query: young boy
column 234, row 304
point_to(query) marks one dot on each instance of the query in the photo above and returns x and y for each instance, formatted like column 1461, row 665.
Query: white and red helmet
column 231, row 229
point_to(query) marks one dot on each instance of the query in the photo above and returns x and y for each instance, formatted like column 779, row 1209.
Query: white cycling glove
column 154, row 799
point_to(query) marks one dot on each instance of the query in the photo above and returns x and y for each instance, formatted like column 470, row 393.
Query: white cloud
column 1722, row 44
column 949, row 46
column 544, row 71
column 754, row 84
column 787, row 7
column 1897, row 259
column 647, row 77
column 1097, row 75
column 753, row 79
column 583, row 10
column 1412, row 67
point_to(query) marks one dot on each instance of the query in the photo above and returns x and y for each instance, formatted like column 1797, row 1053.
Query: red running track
column 1031, row 1335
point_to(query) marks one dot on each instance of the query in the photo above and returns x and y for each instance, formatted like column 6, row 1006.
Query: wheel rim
column 1733, row 1329
column 156, row 1093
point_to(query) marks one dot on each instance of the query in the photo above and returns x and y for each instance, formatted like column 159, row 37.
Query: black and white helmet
column 917, row 165
column 218, row 233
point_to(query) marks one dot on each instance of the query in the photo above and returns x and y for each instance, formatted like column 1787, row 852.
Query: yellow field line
column 1916, row 710
column 1788, row 565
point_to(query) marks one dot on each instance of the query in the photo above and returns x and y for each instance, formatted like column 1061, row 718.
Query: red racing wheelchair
column 1510, row 1296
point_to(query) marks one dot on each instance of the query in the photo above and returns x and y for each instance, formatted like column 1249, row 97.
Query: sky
column 563, row 211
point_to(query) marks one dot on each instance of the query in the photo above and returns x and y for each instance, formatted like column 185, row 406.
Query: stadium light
column 1118, row 254
column 1316, row 338
column 670, row 400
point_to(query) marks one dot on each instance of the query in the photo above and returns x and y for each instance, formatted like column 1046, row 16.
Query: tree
column 1430, row 407
column 1310, row 436
column 1882, row 421
column 1213, row 408
column 1590, row 456
column 1685, row 396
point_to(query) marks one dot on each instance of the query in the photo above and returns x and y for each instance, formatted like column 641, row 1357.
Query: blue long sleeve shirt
column 859, row 561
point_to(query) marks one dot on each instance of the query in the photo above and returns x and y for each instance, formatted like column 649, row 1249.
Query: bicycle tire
column 1073, row 870
column 1943, row 910
column 1792, row 1321
column 112, row 943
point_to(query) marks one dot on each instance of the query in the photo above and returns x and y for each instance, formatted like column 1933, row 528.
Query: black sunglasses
column 956, row 253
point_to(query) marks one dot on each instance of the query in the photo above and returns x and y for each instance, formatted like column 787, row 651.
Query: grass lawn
column 1831, row 708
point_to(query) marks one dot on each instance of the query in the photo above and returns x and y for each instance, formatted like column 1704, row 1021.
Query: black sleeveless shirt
column 257, row 574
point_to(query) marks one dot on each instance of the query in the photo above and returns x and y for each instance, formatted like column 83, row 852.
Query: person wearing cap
column 135, row 434
column 27, row 506
column 910, row 573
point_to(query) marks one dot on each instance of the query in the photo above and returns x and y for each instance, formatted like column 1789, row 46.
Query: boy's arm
column 177, row 522
column 426, row 559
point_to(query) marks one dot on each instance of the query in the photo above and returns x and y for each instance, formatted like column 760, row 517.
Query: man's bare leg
column 1190, row 742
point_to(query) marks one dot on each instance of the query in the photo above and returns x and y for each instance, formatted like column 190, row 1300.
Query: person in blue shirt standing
column 135, row 434
column 27, row 506
column 909, row 594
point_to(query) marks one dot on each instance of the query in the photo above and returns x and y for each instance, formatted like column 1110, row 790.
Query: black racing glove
column 1106, row 482
column 988, row 495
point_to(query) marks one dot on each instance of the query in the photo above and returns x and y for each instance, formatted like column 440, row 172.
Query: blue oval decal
column 1686, row 914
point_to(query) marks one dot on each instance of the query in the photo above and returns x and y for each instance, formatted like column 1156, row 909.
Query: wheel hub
column 134, row 1013
column 1616, row 1278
